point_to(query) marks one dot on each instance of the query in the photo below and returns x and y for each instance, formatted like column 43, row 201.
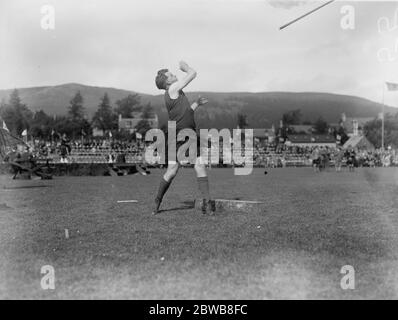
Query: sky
column 233, row 45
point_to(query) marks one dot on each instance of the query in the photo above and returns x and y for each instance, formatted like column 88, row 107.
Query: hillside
column 262, row 109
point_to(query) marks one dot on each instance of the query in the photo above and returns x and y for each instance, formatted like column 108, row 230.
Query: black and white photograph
column 198, row 150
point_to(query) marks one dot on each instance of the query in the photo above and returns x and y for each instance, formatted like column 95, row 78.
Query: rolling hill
column 262, row 109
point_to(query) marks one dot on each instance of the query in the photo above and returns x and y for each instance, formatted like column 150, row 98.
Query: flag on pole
column 392, row 86
column 25, row 135
column 380, row 116
column 5, row 126
column 110, row 134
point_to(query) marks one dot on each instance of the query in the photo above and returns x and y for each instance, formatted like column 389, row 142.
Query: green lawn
column 294, row 247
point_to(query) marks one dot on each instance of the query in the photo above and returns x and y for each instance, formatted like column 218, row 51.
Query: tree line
column 75, row 124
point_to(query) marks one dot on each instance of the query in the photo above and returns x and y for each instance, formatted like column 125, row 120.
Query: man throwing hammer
column 182, row 112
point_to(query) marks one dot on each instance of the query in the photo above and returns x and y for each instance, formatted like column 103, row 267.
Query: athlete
column 339, row 155
column 182, row 112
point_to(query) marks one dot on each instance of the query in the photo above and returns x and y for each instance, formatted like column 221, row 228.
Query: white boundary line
column 238, row 201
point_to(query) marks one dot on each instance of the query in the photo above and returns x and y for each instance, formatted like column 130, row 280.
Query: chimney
column 355, row 128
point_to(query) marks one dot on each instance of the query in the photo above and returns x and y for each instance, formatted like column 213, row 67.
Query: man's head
column 164, row 79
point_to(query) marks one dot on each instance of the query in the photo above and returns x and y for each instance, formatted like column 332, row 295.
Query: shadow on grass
column 25, row 187
column 186, row 205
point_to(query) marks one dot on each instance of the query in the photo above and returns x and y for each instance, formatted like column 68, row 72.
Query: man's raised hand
column 184, row 66
column 201, row 101
column 185, row 80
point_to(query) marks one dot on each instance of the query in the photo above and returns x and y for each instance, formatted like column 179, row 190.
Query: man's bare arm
column 182, row 83
column 201, row 101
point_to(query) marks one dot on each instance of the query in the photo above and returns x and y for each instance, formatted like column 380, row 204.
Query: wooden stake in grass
column 127, row 201
column 304, row 15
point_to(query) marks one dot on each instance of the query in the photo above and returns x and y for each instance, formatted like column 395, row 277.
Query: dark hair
column 161, row 79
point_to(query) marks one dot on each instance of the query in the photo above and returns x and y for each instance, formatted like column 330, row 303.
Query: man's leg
column 203, row 185
column 168, row 177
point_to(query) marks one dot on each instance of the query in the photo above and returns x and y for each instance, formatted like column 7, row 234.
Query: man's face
column 171, row 78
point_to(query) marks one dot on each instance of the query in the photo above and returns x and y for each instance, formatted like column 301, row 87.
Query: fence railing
column 135, row 155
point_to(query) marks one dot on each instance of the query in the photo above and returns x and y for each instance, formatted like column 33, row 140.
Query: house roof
column 131, row 123
column 262, row 132
column 311, row 138
column 358, row 142
column 301, row 128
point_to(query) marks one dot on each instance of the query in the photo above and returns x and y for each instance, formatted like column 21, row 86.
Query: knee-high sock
column 203, row 184
column 163, row 187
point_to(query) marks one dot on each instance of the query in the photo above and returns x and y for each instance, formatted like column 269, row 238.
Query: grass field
column 294, row 247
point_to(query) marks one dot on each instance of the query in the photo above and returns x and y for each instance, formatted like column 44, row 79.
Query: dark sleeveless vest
column 180, row 111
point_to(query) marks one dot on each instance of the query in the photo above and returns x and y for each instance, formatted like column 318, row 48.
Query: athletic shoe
column 204, row 206
column 208, row 206
column 212, row 205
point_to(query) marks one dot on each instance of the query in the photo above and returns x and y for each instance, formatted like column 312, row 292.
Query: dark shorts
column 176, row 145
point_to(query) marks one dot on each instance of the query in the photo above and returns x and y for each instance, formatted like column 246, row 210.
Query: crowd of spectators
column 282, row 155
column 89, row 151
column 264, row 155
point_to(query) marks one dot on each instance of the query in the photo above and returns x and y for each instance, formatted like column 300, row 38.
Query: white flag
column 25, row 133
column 380, row 116
column 392, row 86
column 5, row 126
column 138, row 135
column 110, row 134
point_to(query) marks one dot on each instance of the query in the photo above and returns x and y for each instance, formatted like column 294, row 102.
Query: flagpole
column 382, row 120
